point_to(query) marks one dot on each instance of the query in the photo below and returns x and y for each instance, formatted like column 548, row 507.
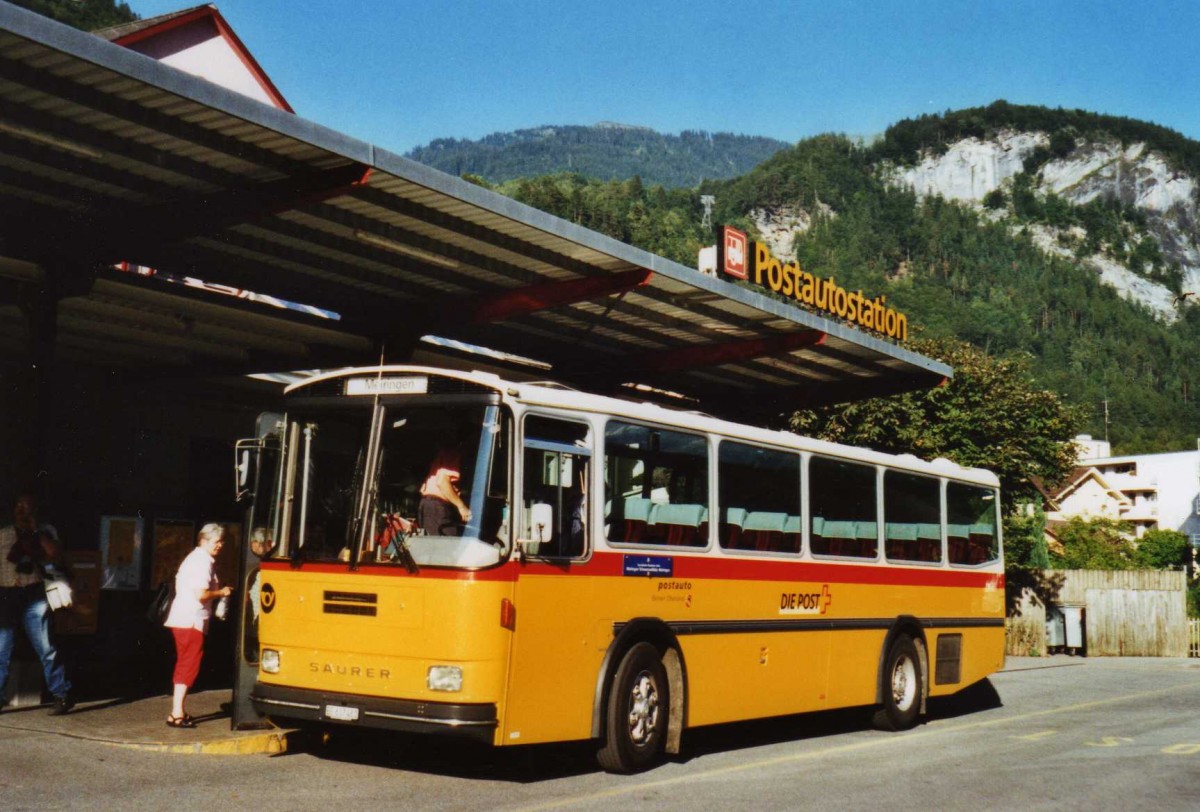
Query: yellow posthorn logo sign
column 752, row 261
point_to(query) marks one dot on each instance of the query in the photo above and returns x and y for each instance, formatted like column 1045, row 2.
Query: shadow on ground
column 533, row 763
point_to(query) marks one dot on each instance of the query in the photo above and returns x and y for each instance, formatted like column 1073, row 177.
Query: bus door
column 552, row 669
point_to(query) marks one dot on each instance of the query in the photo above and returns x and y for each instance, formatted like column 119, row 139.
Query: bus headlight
column 269, row 662
column 444, row 678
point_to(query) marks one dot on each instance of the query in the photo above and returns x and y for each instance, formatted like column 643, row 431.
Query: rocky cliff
column 1138, row 178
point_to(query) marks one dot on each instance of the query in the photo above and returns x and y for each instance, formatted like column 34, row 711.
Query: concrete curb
column 138, row 725
column 268, row 743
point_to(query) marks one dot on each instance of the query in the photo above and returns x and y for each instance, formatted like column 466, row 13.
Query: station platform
column 141, row 724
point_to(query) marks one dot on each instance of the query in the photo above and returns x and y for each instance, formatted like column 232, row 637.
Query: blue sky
column 400, row 73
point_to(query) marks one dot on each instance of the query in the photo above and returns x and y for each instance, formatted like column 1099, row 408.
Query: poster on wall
column 120, row 552
column 173, row 540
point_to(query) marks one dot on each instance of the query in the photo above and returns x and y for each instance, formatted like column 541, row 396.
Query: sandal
column 180, row 721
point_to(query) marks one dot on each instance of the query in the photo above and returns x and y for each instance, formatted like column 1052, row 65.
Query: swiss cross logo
column 733, row 252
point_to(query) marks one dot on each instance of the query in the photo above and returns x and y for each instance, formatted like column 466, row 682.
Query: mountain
column 1121, row 201
column 605, row 151
column 1064, row 235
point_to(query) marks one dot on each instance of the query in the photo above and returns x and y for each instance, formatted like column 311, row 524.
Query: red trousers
column 189, row 649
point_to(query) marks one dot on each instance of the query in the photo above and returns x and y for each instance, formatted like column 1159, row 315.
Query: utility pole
column 707, row 201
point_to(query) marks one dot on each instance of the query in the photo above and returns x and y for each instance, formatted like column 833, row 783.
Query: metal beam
column 116, row 235
column 814, row 396
column 398, row 204
column 709, row 355
column 511, row 304
column 113, row 148
column 40, row 80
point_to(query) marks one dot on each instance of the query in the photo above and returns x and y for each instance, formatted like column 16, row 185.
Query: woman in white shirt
column 196, row 587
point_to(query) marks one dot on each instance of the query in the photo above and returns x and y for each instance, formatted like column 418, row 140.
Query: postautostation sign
column 743, row 258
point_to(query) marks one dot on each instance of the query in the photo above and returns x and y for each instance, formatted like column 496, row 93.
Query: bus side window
column 556, row 460
column 912, row 512
column 656, row 486
column 758, row 496
column 843, row 509
column 971, row 524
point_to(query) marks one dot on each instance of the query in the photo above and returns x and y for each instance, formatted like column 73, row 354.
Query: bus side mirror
column 541, row 521
column 244, row 466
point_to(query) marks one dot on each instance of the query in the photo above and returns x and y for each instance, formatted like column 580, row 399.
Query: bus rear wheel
column 902, row 688
column 636, row 712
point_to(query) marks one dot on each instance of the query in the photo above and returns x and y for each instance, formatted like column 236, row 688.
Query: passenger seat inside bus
column 638, row 514
column 763, row 530
column 791, row 534
column 680, row 524
column 731, row 527
column 958, row 537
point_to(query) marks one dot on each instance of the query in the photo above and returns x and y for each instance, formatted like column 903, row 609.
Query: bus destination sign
column 408, row 385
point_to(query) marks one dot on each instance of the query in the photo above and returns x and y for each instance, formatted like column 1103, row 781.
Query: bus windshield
column 395, row 484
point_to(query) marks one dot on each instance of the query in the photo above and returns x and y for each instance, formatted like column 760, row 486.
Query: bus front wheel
column 637, row 711
column 902, row 688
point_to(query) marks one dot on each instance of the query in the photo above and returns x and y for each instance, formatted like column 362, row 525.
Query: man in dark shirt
column 28, row 549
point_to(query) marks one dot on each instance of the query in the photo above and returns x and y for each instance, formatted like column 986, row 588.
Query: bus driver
column 440, row 498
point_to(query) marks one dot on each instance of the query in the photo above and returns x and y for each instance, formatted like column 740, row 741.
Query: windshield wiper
column 396, row 530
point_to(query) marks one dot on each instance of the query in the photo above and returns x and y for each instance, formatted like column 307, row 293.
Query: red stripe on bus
column 611, row 564
column 505, row 572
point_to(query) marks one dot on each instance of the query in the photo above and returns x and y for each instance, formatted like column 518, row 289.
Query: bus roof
column 553, row 395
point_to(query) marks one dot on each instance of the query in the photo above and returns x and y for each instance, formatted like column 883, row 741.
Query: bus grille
column 350, row 603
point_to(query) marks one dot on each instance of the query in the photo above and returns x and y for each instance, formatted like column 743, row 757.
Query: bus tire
column 902, row 688
column 636, row 712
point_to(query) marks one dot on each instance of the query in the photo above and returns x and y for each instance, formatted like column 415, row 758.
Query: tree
column 995, row 199
column 1025, row 540
column 990, row 415
column 1095, row 544
column 1162, row 549
column 87, row 15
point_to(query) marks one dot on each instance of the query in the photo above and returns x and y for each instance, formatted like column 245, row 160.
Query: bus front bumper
column 473, row 721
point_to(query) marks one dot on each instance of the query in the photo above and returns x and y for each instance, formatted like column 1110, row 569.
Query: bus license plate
column 342, row 713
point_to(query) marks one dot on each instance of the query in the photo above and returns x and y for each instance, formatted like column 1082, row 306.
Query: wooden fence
column 1026, row 628
column 1194, row 638
column 1135, row 613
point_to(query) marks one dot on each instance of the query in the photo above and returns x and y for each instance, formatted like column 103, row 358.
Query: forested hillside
column 604, row 151
column 958, row 270
column 87, row 15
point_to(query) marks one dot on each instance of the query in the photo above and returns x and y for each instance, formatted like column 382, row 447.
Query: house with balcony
column 1147, row 490
column 1092, row 494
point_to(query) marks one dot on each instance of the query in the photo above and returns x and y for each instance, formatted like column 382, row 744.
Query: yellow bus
column 619, row 571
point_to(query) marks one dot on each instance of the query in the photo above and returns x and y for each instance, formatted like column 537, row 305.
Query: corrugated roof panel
column 363, row 263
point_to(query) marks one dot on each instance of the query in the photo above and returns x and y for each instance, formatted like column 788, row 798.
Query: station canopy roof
column 109, row 157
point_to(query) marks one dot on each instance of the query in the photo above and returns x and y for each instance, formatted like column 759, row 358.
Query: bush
column 1095, row 544
column 1062, row 144
column 1162, row 549
column 1025, row 540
